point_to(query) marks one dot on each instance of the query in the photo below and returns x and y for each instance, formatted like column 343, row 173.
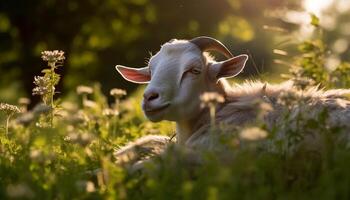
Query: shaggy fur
column 241, row 108
column 173, row 84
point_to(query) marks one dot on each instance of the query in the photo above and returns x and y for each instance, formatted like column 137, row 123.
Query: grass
column 63, row 149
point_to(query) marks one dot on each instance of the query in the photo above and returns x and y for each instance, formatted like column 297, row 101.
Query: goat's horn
column 207, row 43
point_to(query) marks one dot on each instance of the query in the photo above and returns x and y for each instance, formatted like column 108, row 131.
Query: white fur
column 180, row 92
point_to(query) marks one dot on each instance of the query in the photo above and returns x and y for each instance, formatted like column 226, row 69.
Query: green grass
column 72, row 156
column 74, row 160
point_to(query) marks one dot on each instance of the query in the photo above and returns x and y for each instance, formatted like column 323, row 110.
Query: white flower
column 9, row 109
column 23, row 101
column 117, row 93
column 82, row 89
column 110, row 112
column 42, row 85
column 210, row 99
column 253, row 133
column 52, row 56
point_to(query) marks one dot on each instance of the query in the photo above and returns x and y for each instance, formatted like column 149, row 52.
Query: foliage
column 73, row 159
column 310, row 63
column 97, row 35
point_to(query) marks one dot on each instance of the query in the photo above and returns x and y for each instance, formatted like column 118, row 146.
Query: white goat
column 180, row 72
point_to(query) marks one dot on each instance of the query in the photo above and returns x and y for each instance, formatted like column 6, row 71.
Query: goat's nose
column 149, row 96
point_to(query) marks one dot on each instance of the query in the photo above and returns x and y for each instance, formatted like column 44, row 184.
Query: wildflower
column 117, row 93
column 87, row 186
column 42, row 85
column 52, row 56
column 90, row 187
column 83, row 139
column 253, row 134
column 71, row 137
column 23, row 102
column 69, row 106
column 89, row 104
column 45, row 85
column 37, row 155
column 77, row 118
column 110, row 112
column 9, row 110
column 211, row 98
column 82, row 89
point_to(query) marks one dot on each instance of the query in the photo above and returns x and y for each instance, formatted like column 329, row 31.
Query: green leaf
column 315, row 21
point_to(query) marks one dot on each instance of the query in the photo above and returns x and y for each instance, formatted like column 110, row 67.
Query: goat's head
column 178, row 74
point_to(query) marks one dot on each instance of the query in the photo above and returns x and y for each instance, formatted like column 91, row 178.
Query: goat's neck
column 185, row 128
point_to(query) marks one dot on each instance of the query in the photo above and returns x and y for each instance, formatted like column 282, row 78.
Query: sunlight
column 316, row 6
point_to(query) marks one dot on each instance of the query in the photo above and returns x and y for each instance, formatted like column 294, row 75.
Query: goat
column 182, row 70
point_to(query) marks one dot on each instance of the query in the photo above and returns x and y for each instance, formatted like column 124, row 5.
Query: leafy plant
column 45, row 85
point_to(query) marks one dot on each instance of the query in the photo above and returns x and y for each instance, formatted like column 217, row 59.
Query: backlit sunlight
column 316, row 6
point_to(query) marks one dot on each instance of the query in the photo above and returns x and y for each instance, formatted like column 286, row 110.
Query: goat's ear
column 228, row 68
column 135, row 75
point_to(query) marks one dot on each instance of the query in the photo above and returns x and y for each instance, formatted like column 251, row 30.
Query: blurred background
column 98, row 34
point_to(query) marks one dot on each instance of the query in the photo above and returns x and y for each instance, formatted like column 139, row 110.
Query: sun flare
column 316, row 6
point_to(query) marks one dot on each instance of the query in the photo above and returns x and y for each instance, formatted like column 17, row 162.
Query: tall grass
column 71, row 157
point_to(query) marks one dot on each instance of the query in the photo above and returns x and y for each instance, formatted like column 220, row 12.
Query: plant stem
column 7, row 125
column 212, row 118
column 116, row 106
column 52, row 65
column 212, row 115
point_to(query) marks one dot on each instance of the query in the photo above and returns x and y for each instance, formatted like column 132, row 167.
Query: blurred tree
column 97, row 35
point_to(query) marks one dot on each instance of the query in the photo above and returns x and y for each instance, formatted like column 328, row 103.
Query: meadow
column 63, row 148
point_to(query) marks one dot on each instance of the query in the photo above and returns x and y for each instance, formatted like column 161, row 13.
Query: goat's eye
column 195, row 71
